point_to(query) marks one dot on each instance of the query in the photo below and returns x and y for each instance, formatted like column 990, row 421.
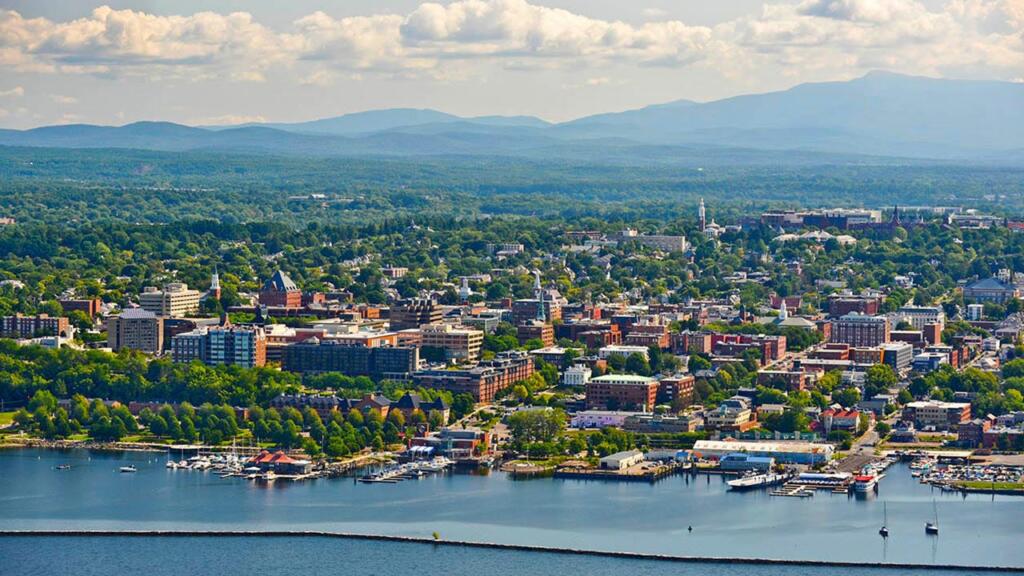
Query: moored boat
column 884, row 530
column 865, row 483
column 756, row 481
column 932, row 527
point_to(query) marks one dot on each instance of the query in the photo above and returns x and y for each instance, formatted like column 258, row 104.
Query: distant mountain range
column 880, row 115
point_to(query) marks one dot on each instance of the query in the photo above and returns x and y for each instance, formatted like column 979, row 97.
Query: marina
column 492, row 508
column 973, row 478
column 398, row 472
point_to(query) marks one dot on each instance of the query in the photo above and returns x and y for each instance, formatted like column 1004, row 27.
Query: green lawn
column 989, row 485
column 6, row 418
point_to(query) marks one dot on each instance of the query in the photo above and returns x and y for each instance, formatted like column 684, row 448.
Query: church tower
column 215, row 285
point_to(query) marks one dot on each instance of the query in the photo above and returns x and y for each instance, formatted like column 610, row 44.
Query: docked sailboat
column 884, row 530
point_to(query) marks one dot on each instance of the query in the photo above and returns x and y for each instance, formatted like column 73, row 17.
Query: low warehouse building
column 782, row 452
column 622, row 460
column 740, row 462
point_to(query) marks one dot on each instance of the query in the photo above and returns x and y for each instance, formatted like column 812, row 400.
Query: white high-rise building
column 174, row 301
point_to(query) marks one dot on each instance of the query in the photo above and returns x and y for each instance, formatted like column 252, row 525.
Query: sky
column 204, row 62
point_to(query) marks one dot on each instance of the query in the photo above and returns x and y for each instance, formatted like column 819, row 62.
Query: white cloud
column 15, row 92
column 127, row 42
column 459, row 39
column 514, row 28
column 877, row 11
column 853, row 36
column 60, row 99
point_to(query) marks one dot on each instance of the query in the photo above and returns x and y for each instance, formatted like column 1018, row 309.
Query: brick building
column 841, row 305
column 483, row 381
column 19, row 326
column 648, row 335
column 624, row 391
column 860, row 330
column 676, row 390
column 415, row 312
column 536, row 330
column 280, row 291
column 136, row 329
column 316, row 355
column 691, row 343
column 89, row 306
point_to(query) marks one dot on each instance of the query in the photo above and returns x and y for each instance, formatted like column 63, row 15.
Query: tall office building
column 136, row 329
column 174, row 301
column 415, row 312
column 459, row 344
column 222, row 345
column 860, row 330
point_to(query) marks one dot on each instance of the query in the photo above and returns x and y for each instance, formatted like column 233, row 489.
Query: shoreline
column 38, row 443
column 496, row 546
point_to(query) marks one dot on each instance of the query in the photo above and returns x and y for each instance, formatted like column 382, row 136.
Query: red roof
column 863, row 478
column 268, row 457
column 841, row 413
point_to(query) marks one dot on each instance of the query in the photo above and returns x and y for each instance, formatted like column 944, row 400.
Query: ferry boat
column 865, row 483
column 757, row 481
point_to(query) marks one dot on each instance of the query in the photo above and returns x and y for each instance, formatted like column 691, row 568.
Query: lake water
column 608, row 516
column 245, row 556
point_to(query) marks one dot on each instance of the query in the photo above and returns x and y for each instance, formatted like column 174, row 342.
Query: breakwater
column 440, row 541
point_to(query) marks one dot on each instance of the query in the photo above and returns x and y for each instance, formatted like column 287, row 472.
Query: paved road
column 861, row 453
